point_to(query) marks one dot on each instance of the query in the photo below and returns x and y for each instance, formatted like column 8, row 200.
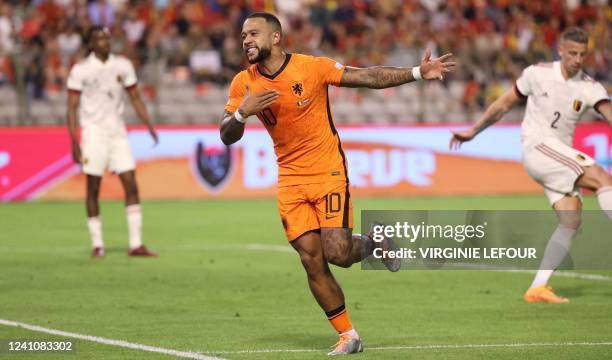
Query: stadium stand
column 186, row 51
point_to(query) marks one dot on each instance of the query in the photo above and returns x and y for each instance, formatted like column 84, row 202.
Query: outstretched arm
column 141, row 111
column 381, row 77
column 493, row 114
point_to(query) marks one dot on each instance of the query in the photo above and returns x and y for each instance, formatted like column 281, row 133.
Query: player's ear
column 276, row 38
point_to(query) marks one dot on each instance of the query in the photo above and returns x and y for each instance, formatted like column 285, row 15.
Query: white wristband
column 238, row 116
column 416, row 73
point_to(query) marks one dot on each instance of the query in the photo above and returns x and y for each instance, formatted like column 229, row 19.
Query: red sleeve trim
column 600, row 103
column 519, row 93
column 74, row 92
column 131, row 86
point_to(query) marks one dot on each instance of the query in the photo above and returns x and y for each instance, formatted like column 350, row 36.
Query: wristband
column 416, row 73
column 238, row 116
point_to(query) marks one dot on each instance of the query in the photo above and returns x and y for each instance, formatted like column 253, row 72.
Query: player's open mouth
column 250, row 51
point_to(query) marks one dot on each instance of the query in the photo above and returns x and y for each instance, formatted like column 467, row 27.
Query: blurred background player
column 95, row 86
column 557, row 94
column 288, row 93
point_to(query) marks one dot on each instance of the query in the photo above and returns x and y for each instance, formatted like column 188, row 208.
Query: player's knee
column 313, row 264
column 597, row 178
column 571, row 219
column 93, row 190
column 606, row 178
column 131, row 189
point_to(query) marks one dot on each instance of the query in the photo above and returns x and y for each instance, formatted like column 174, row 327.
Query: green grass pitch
column 227, row 281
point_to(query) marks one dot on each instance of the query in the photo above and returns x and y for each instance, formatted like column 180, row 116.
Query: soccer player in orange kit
column 288, row 93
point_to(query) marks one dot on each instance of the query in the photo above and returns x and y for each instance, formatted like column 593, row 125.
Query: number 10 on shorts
column 332, row 203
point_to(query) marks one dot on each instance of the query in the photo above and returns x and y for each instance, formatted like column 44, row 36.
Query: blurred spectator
column 69, row 42
column 7, row 30
column 200, row 39
column 101, row 13
column 51, row 14
column 134, row 27
column 205, row 62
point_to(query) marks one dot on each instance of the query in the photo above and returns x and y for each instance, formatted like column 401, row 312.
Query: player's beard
column 262, row 54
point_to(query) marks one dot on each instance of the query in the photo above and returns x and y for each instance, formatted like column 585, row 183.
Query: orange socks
column 339, row 319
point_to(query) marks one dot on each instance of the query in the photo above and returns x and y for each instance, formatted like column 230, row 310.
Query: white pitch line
column 113, row 342
column 285, row 249
column 421, row 347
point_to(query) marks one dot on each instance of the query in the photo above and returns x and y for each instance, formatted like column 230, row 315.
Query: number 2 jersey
column 306, row 142
column 554, row 105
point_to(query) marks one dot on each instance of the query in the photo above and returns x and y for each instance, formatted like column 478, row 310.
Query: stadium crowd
column 198, row 41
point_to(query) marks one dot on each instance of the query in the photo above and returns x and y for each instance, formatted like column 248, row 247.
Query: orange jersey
column 306, row 143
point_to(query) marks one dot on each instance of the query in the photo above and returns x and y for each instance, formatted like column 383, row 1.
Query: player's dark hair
column 575, row 34
column 89, row 35
column 270, row 19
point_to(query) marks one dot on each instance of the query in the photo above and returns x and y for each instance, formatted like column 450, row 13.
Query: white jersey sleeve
column 75, row 78
column 524, row 84
column 128, row 74
column 597, row 94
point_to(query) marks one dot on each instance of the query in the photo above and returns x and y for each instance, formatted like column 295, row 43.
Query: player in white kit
column 95, row 86
column 557, row 95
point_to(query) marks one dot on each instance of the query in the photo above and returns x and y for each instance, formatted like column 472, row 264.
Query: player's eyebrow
column 248, row 32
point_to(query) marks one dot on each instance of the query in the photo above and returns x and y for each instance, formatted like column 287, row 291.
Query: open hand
column 459, row 137
column 256, row 102
column 434, row 69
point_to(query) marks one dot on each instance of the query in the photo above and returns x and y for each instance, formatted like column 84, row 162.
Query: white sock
column 95, row 231
column 604, row 197
column 134, row 220
column 556, row 250
column 352, row 333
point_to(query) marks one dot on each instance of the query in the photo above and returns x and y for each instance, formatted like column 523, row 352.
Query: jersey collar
column 559, row 74
column 95, row 60
column 280, row 70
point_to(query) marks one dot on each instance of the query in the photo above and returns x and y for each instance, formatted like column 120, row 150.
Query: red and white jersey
column 555, row 105
column 101, row 85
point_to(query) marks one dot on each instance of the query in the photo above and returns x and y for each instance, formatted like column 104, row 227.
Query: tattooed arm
column 381, row 77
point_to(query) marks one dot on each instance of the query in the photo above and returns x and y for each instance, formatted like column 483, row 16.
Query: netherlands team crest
column 213, row 164
column 297, row 88
column 577, row 105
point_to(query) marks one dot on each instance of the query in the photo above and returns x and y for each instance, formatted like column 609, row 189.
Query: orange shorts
column 313, row 206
